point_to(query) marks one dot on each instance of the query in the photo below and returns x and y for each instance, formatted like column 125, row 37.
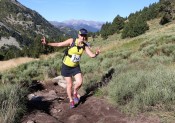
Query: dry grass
column 5, row 65
column 48, row 56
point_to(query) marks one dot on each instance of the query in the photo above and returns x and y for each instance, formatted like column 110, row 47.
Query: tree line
column 34, row 49
column 133, row 25
column 136, row 23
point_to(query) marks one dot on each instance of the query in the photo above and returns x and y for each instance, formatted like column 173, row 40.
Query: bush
column 166, row 18
column 11, row 102
column 135, row 26
column 141, row 90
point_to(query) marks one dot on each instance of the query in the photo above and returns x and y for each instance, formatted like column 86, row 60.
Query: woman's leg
column 78, row 83
column 69, row 87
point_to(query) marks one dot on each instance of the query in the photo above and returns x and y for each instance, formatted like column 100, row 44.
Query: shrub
column 166, row 18
column 11, row 102
column 135, row 27
column 140, row 90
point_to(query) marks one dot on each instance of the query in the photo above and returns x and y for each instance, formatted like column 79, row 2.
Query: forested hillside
column 24, row 27
column 136, row 23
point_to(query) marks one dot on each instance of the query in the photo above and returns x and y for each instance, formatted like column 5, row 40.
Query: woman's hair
column 86, row 37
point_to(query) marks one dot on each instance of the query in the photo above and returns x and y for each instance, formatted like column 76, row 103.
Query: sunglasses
column 83, row 35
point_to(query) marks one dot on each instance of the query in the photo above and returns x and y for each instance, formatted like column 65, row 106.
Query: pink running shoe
column 76, row 99
column 72, row 105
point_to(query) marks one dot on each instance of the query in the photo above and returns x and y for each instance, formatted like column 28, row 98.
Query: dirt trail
column 49, row 104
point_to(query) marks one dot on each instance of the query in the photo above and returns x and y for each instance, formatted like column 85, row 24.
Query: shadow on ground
column 93, row 87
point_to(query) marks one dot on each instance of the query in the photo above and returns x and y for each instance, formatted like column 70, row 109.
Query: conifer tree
column 118, row 23
column 135, row 27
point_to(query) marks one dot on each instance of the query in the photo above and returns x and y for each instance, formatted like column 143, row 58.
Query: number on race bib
column 75, row 58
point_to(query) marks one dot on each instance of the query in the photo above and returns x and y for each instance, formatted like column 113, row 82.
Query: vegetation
column 12, row 102
column 135, row 27
column 14, row 86
column 143, row 81
column 34, row 50
column 111, row 28
column 27, row 27
column 166, row 8
column 144, row 71
column 136, row 23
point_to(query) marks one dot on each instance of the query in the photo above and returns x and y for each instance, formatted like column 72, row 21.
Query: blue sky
column 91, row 10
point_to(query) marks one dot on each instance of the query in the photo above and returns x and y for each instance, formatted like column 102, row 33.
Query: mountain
column 91, row 26
column 69, row 30
column 20, row 25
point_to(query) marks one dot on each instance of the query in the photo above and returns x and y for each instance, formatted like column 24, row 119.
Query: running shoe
column 76, row 99
column 72, row 104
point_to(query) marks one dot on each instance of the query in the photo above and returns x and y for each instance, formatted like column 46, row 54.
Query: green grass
column 13, row 85
column 143, row 81
column 12, row 102
column 141, row 90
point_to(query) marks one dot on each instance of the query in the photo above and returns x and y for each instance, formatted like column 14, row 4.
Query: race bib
column 75, row 58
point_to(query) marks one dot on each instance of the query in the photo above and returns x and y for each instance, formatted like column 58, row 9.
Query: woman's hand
column 43, row 41
column 97, row 51
column 90, row 53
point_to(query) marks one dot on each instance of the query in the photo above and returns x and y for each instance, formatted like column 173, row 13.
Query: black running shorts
column 67, row 71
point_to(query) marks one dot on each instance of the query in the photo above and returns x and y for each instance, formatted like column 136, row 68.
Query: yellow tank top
column 74, row 55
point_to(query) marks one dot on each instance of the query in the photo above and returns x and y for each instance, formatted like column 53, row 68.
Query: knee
column 79, row 83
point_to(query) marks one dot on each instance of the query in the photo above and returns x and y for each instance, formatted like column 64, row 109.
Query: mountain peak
column 81, row 21
column 92, row 26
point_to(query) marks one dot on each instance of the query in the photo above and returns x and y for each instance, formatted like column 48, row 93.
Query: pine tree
column 118, row 23
column 136, row 26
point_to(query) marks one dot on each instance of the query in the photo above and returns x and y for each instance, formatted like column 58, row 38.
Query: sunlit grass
column 6, row 65
column 142, row 89
column 11, row 102
column 143, row 79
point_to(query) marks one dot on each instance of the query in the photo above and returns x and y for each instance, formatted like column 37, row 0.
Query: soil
column 49, row 104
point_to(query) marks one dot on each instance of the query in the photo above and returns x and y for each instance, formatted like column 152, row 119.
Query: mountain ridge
column 21, row 30
column 91, row 26
column 24, row 24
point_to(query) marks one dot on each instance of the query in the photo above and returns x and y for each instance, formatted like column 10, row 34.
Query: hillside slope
column 23, row 24
column 142, row 83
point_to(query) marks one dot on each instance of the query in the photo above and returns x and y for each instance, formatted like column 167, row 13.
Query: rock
column 30, row 121
column 77, row 118
column 33, row 97
column 52, row 92
column 54, row 110
column 42, row 117
column 30, row 96
column 47, row 96
column 60, row 80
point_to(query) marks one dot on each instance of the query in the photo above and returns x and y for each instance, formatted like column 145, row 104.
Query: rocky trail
column 48, row 103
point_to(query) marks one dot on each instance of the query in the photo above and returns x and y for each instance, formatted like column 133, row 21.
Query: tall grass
column 11, row 103
column 36, row 70
column 143, row 80
column 142, row 90
column 5, row 65
column 13, row 85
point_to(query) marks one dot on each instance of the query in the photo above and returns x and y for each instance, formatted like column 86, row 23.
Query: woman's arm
column 90, row 53
column 67, row 42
